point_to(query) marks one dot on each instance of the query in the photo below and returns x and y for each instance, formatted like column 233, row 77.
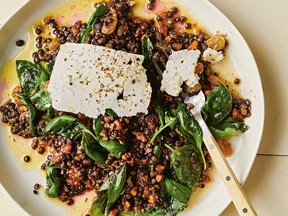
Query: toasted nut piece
column 199, row 68
column 82, row 117
column 56, row 157
column 153, row 173
column 159, row 178
column 193, row 45
column 134, row 190
column 236, row 114
column 162, row 29
column 74, row 30
column 117, row 125
column 159, row 169
column 126, row 205
column 22, row 108
column 111, row 26
column 216, row 42
column 192, row 90
column 126, row 120
column 122, row 29
column 54, row 44
column 66, row 148
column 106, row 119
column 113, row 212
column 16, row 90
column 177, row 46
column 215, row 80
column 146, row 192
column 140, row 136
column 131, row 3
column 152, row 199
column 168, row 38
column 104, row 134
column 77, row 158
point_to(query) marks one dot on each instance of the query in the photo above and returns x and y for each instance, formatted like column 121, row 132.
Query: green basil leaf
column 112, row 146
column 177, row 190
column 52, row 181
column 42, row 100
column 187, row 173
column 229, row 127
column 92, row 149
column 95, row 18
column 147, row 47
column 98, row 206
column 116, row 188
column 31, row 114
column 218, row 105
column 59, row 125
column 190, row 128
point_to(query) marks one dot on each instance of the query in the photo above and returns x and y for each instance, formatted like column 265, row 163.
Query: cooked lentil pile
column 149, row 166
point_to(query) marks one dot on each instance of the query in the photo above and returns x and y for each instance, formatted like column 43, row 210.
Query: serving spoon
column 237, row 194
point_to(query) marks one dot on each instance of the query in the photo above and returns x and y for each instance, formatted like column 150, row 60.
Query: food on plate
column 103, row 99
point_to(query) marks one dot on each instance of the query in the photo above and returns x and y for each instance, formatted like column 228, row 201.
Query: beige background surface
column 264, row 24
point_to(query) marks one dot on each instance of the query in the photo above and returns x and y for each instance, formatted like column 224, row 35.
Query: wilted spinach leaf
column 52, row 181
column 29, row 76
column 112, row 146
column 31, row 114
column 151, row 212
column 98, row 206
column 60, row 124
column 175, row 206
column 165, row 121
column 72, row 134
column 218, row 105
column 177, row 190
column 190, row 128
column 92, row 149
column 95, row 18
column 116, row 188
column 157, row 151
column 49, row 69
column 147, row 47
column 111, row 112
column 229, row 127
column 187, row 173
column 42, row 100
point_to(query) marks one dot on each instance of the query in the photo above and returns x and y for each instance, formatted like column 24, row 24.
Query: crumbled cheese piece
column 89, row 79
column 180, row 68
column 212, row 56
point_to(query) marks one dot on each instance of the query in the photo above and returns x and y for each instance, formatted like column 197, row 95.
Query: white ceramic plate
column 212, row 200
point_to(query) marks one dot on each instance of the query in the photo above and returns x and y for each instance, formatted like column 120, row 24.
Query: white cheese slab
column 89, row 79
column 180, row 68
